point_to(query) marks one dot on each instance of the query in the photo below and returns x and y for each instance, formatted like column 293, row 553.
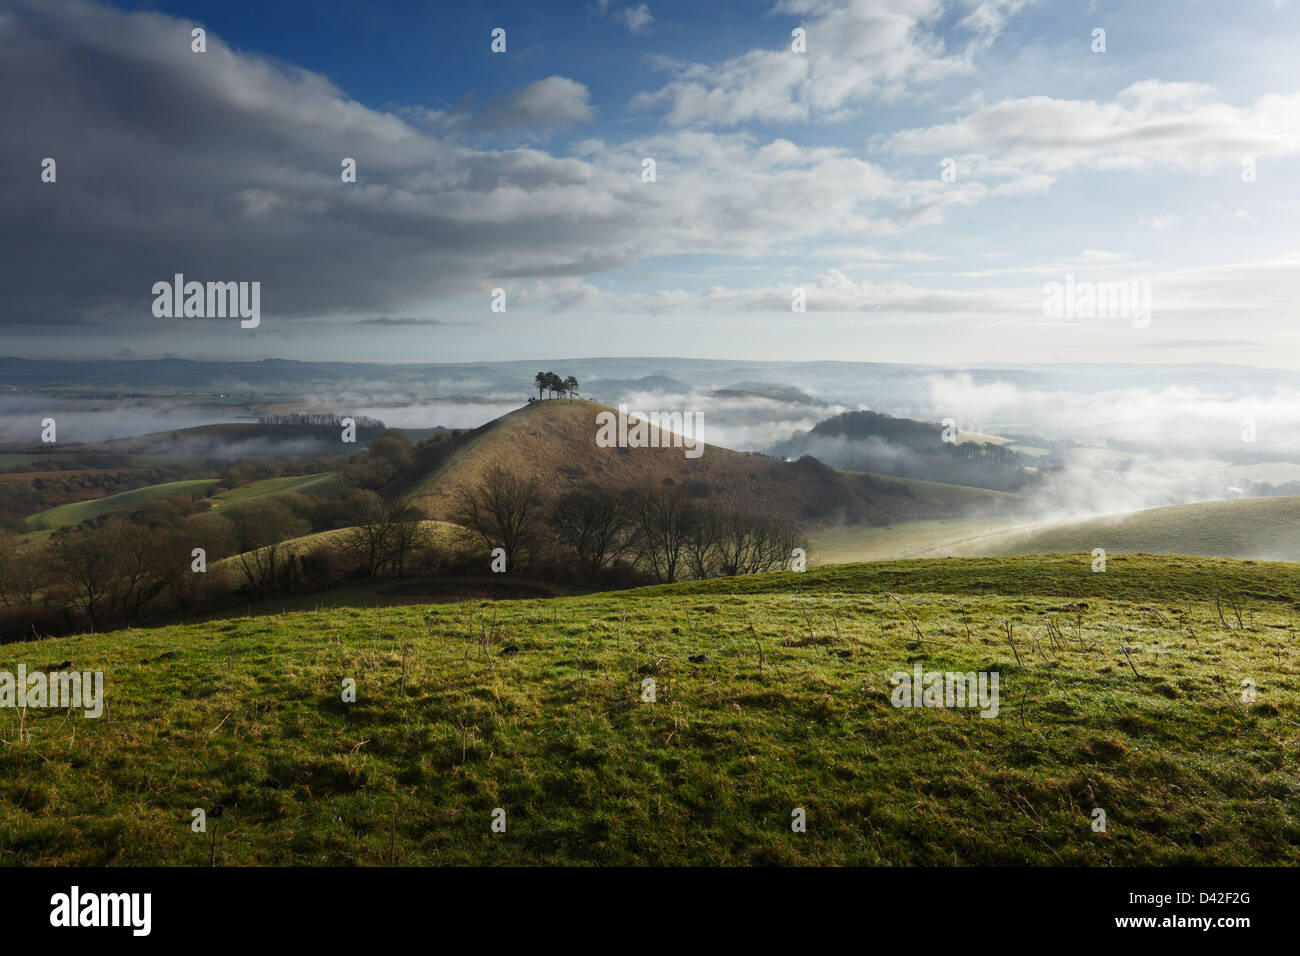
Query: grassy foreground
column 535, row 707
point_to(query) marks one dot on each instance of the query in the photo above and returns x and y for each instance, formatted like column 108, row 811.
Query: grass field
column 941, row 537
column 1256, row 528
column 324, row 483
column 1262, row 528
column 536, row 707
column 80, row 511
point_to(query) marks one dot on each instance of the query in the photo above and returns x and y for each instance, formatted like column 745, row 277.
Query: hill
column 80, row 511
column 906, row 448
column 442, row 533
column 555, row 442
column 324, row 483
column 1261, row 528
column 228, row 441
column 772, row 695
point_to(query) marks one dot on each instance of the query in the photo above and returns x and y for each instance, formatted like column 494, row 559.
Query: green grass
column 790, row 709
column 80, row 511
column 323, row 483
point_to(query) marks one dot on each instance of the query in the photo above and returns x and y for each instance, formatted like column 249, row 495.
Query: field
column 1261, row 528
column 1134, row 706
column 1257, row 528
column 80, row 511
column 940, row 537
column 322, row 483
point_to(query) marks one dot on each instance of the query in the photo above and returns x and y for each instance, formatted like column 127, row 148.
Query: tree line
column 320, row 419
column 552, row 383
column 125, row 569
column 657, row 534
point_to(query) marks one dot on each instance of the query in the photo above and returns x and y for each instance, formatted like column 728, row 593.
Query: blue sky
column 777, row 170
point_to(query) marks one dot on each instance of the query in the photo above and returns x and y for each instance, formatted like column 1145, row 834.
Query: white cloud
column 1150, row 124
column 856, row 52
column 635, row 18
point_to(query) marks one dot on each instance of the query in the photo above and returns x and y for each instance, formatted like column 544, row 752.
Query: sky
column 929, row 179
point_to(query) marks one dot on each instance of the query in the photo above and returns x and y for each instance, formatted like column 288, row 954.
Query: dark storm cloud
column 225, row 166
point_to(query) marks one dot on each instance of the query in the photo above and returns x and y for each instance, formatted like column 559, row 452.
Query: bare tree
column 504, row 512
column 595, row 524
column 384, row 533
column 261, row 528
column 410, row 536
column 662, row 523
column 753, row 543
column 366, row 541
column 84, row 565
column 704, row 530
column 148, row 560
column 23, row 571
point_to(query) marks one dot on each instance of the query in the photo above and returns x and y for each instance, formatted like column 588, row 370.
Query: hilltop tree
column 550, row 382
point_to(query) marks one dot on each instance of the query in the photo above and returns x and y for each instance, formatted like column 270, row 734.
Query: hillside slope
column 537, row 708
column 908, row 448
column 232, row 440
column 555, row 442
column 324, row 483
column 80, row 511
column 1265, row 529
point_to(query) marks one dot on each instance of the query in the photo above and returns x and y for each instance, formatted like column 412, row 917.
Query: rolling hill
column 324, row 483
column 80, row 511
column 907, row 448
column 228, row 441
column 555, row 442
column 772, row 695
column 1260, row 528
column 443, row 534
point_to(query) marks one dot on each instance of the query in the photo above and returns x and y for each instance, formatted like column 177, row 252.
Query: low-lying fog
column 1120, row 438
